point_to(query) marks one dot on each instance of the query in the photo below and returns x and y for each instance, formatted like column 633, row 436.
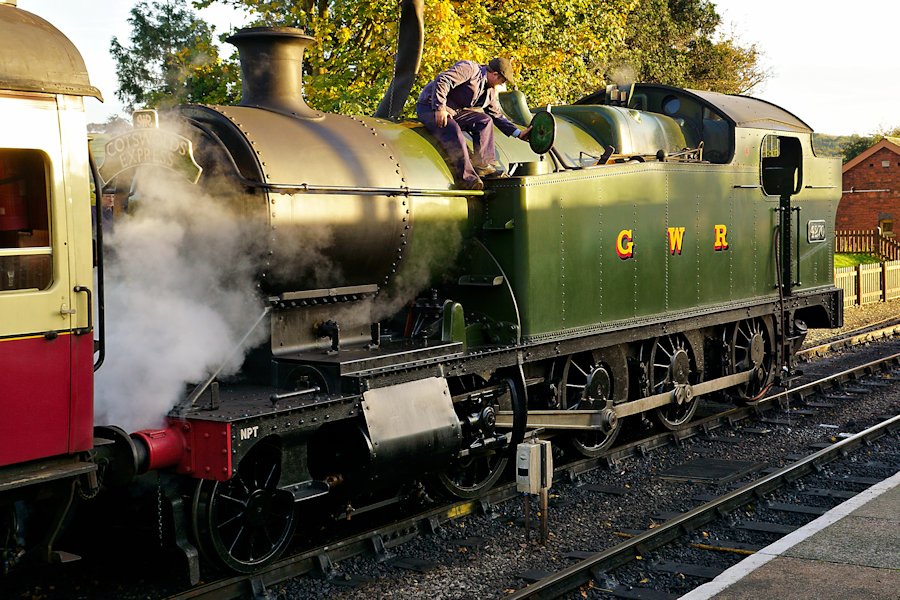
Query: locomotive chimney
column 272, row 69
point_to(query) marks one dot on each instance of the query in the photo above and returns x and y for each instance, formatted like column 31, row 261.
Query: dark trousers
column 477, row 124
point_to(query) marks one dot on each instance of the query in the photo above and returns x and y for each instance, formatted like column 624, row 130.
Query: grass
column 851, row 260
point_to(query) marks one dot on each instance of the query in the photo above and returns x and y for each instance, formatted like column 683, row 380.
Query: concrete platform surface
column 852, row 551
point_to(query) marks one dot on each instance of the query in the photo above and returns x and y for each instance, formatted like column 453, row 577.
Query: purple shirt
column 462, row 86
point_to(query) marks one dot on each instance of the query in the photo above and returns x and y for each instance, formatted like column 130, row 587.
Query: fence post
column 859, row 285
column 884, row 282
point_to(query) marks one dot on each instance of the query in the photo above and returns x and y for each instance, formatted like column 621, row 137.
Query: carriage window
column 25, row 253
column 781, row 161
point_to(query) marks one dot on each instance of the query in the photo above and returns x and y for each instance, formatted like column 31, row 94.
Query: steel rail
column 380, row 539
column 581, row 573
column 854, row 338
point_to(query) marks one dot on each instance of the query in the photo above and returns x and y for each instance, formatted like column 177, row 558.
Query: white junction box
column 534, row 466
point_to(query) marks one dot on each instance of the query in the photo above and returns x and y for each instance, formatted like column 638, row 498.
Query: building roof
column 890, row 143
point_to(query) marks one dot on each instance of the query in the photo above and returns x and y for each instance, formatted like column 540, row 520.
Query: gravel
column 583, row 520
column 856, row 317
column 483, row 556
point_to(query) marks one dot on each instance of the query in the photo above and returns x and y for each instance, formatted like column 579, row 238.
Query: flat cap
column 504, row 67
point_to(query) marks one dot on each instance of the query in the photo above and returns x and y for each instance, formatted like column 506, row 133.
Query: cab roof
column 740, row 111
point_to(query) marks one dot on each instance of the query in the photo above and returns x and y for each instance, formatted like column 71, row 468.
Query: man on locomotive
column 464, row 98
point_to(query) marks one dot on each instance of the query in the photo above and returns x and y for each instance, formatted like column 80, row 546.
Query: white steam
column 180, row 295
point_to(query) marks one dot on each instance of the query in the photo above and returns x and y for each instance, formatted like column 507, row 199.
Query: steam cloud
column 180, row 295
column 436, row 249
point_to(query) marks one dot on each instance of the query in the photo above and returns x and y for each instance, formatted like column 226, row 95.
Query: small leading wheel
column 670, row 366
column 750, row 349
column 596, row 381
column 246, row 522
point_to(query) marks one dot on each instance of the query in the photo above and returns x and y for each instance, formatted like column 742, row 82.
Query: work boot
column 490, row 170
column 472, row 184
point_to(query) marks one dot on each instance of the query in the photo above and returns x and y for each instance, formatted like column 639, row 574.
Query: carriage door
column 35, row 300
column 782, row 176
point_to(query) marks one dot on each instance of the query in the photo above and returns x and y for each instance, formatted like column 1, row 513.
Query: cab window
column 782, row 163
column 25, row 253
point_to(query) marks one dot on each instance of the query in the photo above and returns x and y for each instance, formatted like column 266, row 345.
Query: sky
column 837, row 69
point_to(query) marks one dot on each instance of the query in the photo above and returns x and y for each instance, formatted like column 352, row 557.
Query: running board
column 593, row 419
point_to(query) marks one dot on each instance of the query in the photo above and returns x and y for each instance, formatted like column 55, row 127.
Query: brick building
column 871, row 186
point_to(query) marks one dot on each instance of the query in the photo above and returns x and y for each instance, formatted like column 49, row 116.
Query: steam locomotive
column 650, row 245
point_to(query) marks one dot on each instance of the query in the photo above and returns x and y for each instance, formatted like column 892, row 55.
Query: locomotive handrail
column 330, row 189
column 366, row 191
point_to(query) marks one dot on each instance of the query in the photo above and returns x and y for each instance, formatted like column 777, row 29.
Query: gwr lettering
column 625, row 241
column 625, row 244
column 721, row 241
column 249, row 432
column 676, row 237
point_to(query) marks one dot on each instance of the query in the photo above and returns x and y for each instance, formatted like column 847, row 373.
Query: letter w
column 676, row 237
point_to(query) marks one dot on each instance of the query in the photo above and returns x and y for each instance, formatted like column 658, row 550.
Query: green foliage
column 848, row 147
column 856, row 145
column 851, row 260
column 113, row 125
column 171, row 59
column 561, row 50
column 672, row 42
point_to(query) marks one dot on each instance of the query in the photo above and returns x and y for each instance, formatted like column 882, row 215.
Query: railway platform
column 852, row 551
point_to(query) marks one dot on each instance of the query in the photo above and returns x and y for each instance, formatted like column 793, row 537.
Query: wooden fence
column 866, row 284
column 869, row 241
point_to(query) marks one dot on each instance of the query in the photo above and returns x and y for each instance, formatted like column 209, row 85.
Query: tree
column 351, row 64
column 113, row 125
column 562, row 50
column 673, row 42
column 172, row 59
column 857, row 144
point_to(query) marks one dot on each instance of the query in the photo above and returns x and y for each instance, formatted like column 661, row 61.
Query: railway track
column 391, row 541
column 384, row 540
column 873, row 332
column 602, row 565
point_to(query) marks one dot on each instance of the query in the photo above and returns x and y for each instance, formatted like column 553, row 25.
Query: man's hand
column 525, row 134
column 440, row 117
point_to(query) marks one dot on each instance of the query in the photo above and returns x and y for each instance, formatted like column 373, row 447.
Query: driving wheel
column 596, row 380
column 670, row 367
column 750, row 348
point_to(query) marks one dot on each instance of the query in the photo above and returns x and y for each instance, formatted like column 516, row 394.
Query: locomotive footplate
column 216, row 440
column 388, row 356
